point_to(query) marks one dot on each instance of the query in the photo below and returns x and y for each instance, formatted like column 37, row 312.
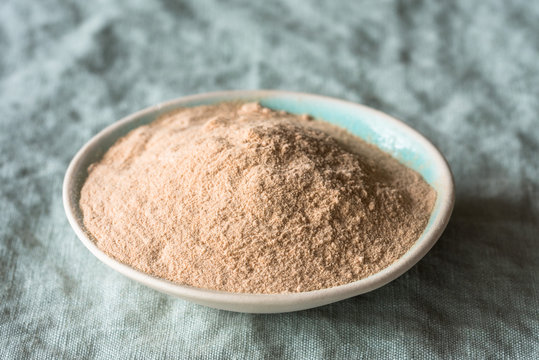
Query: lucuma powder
column 241, row 198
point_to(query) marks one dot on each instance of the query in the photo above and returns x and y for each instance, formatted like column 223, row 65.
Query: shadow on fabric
column 461, row 287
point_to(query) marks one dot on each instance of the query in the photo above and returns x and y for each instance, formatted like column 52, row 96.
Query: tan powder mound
column 240, row 198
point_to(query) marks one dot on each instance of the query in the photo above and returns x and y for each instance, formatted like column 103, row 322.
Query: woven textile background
column 464, row 73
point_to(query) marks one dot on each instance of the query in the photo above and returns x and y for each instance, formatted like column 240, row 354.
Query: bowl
column 386, row 132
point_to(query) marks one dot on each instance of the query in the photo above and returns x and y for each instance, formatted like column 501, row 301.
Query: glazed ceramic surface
column 386, row 132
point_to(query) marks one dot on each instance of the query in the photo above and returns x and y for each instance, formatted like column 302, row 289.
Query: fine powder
column 241, row 198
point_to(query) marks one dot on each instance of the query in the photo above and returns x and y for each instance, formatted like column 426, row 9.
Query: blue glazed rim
column 391, row 135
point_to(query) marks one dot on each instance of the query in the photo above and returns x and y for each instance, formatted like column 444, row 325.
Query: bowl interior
column 391, row 135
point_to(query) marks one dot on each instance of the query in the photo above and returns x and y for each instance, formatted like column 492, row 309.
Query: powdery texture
column 240, row 198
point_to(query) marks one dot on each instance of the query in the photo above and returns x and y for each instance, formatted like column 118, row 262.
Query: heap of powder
column 241, row 198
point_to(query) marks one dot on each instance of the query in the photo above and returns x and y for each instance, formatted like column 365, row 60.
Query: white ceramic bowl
column 391, row 135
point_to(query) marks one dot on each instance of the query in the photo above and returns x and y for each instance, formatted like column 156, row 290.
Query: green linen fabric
column 464, row 73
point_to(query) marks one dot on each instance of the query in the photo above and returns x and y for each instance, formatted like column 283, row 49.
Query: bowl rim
column 267, row 303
